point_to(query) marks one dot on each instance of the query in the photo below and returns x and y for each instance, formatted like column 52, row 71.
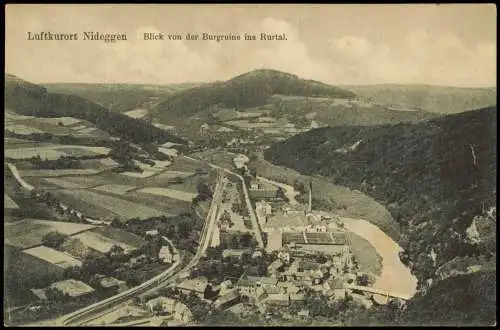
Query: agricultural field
column 217, row 157
column 120, row 235
column 116, row 189
column 169, row 206
column 55, row 151
column 53, row 257
column 29, row 232
column 123, row 208
column 64, row 121
column 187, row 165
column 8, row 203
column 61, row 183
column 61, row 172
column 21, row 129
column 137, row 113
column 101, row 243
column 44, row 152
column 172, row 193
column 250, row 125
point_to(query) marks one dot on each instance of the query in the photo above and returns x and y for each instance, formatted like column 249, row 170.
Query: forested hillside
column 32, row 100
column 437, row 178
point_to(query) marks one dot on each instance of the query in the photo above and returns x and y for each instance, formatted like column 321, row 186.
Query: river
column 395, row 276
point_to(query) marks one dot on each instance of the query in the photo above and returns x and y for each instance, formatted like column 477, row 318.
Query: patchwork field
column 126, row 209
column 29, row 232
column 172, row 193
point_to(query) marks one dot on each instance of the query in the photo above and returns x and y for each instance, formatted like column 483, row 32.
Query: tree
column 363, row 280
column 53, row 239
column 280, row 193
column 203, row 190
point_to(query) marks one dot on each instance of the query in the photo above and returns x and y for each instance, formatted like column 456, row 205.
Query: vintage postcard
column 250, row 165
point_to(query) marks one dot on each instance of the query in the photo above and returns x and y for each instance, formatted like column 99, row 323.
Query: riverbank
column 395, row 276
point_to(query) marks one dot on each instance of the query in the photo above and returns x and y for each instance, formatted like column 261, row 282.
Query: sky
column 452, row 44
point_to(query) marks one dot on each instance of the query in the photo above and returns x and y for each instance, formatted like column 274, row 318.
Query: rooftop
column 198, row 284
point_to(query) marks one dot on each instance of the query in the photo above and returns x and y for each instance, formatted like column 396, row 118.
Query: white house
column 165, row 255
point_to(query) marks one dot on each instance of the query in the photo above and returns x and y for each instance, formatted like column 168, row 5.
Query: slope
column 29, row 99
column 120, row 97
column 436, row 178
column 244, row 91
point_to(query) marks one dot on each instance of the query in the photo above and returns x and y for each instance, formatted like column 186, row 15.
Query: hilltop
column 248, row 90
column 33, row 100
column 438, row 180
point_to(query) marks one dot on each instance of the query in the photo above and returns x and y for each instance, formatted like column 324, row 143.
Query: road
column 92, row 312
column 253, row 217
column 15, row 172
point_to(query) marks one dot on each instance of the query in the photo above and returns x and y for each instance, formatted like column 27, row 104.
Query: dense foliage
column 434, row 177
column 247, row 90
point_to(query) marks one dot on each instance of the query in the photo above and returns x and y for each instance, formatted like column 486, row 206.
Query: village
column 277, row 281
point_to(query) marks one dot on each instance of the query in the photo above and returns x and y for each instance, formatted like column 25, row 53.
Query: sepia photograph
column 250, row 165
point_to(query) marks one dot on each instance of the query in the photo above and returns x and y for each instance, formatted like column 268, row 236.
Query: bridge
column 381, row 292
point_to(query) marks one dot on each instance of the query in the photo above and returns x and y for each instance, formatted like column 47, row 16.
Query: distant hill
column 248, row 90
column 437, row 178
column 120, row 97
column 29, row 99
column 439, row 99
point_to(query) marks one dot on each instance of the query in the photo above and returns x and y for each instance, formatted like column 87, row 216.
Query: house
column 165, row 255
column 297, row 297
column 248, row 284
column 228, row 299
column 303, row 313
column 197, row 285
column 112, row 284
column 289, row 287
column 153, row 232
column 234, row 253
column 257, row 254
column 70, row 287
column 284, row 256
column 224, row 287
column 163, row 303
column 182, row 313
column 137, row 261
